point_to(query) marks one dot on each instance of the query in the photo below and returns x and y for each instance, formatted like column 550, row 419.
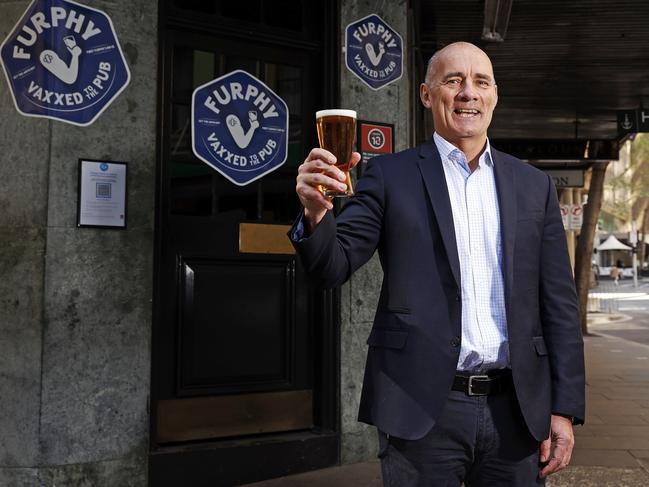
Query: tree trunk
column 584, row 253
column 641, row 244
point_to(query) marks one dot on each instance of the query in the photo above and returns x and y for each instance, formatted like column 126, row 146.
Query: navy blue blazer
column 402, row 208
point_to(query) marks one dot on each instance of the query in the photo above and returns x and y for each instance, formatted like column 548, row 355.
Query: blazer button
column 455, row 342
column 457, row 297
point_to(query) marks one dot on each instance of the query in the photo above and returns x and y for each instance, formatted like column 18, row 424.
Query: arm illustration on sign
column 236, row 130
column 58, row 67
column 375, row 59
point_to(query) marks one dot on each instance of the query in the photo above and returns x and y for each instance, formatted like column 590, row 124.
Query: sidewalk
column 612, row 448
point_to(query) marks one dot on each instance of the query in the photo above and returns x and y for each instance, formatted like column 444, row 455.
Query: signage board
column 643, row 120
column 374, row 51
column 239, row 127
column 565, row 216
column 576, row 216
column 102, row 194
column 563, row 150
column 63, row 61
column 566, row 178
column 373, row 139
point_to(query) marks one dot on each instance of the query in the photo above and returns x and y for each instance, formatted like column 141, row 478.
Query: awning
column 612, row 243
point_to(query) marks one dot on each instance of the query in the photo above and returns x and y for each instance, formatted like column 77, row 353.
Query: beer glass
column 336, row 133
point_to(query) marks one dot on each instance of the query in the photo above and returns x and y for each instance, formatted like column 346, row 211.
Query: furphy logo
column 63, row 61
column 239, row 127
column 374, row 51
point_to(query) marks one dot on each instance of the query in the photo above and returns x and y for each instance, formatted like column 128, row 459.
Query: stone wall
column 75, row 304
column 359, row 297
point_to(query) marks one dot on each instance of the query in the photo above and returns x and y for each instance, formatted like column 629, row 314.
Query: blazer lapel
column 430, row 165
column 506, row 187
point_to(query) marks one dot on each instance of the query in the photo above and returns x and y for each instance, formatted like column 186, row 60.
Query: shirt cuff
column 298, row 229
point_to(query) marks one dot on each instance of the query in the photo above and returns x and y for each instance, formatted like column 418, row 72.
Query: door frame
column 228, row 462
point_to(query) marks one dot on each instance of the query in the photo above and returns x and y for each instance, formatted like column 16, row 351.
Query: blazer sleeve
column 560, row 316
column 339, row 246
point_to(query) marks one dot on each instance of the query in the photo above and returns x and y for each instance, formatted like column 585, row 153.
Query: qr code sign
column 103, row 190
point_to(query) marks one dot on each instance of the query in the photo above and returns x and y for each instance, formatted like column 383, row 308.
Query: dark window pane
column 286, row 81
column 240, row 62
column 249, row 10
column 202, row 6
column 182, row 81
column 286, row 14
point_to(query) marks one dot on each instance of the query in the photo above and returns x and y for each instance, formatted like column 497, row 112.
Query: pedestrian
column 475, row 367
column 615, row 274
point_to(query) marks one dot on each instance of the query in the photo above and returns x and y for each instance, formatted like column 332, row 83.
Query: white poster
column 102, row 194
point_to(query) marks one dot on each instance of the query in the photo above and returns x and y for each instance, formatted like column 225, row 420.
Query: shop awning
column 612, row 243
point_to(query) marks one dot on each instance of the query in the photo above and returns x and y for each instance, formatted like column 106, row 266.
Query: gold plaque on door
column 259, row 238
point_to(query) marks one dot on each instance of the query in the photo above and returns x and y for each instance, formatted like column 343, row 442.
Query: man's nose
column 467, row 91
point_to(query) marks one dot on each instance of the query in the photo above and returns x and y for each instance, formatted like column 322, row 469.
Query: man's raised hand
column 319, row 169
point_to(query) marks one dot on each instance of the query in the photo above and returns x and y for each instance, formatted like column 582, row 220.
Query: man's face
column 461, row 93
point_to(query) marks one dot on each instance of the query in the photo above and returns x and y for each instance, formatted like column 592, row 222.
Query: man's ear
column 424, row 95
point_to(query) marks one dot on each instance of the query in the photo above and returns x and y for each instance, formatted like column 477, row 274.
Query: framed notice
column 373, row 139
column 102, row 194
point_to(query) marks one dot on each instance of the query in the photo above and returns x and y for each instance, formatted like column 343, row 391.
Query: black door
column 244, row 351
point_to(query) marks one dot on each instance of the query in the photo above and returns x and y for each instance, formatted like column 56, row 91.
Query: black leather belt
column 483, row 385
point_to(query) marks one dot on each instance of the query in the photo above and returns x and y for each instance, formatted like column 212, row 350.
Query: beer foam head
column 335, row 113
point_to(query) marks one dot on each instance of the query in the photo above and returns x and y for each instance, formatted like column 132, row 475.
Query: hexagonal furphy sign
column 374, row 51
column 63, row 61
column 239, row 127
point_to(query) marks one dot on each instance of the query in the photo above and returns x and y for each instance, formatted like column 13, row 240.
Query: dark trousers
column 479, row 440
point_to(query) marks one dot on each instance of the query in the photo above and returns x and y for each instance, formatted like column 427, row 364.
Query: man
column 475, row 367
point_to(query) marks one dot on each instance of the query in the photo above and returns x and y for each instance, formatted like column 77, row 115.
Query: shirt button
column 455, row 342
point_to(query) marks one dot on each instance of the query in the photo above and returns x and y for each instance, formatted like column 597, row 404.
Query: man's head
column 460, row 91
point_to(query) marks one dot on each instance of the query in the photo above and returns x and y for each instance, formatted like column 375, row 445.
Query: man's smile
column 466, row 112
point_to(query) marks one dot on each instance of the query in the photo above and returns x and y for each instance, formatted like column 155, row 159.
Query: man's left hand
column 562, row 435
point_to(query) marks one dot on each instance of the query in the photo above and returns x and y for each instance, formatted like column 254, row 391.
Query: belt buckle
column 470, row 387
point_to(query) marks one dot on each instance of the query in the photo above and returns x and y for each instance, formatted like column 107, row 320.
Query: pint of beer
column 336, row 133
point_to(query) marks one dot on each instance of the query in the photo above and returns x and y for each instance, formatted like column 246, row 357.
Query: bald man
column 475, row 368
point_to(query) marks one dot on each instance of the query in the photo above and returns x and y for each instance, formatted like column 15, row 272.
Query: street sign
column 63, row 61
column 565, row 216
column 239, row 127
column 643, row 120
column 374, row 51
column 627, row 122
column 568, row 178
column 576, row 216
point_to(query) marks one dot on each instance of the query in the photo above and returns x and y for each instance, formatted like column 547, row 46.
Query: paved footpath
column 612, row 448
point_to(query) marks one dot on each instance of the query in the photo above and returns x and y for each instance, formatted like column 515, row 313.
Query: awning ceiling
column 561, row 62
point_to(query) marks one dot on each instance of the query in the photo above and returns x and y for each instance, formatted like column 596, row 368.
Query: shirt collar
column 445, row 148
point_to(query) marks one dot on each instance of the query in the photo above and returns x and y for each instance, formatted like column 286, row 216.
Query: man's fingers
column 320, row 166
column 545, row 450
column 322, row 154
column 356, row 157
column 313, row 195
column 315, row 179
column 554, row 465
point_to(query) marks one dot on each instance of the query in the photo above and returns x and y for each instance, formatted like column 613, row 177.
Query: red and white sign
column 565, row 216
column 576, row 216
column 374, row 139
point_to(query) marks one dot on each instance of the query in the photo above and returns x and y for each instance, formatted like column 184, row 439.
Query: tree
column 584, row 252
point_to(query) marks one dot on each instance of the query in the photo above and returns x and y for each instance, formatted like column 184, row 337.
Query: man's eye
column 484, row 83
column 453, row 81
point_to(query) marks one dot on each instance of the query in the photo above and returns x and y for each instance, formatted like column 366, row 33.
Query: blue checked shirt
column 476, row 219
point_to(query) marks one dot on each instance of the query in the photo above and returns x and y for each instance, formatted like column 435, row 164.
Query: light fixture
column 496, row 20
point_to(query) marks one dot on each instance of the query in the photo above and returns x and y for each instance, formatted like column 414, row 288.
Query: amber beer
column 336, row 133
